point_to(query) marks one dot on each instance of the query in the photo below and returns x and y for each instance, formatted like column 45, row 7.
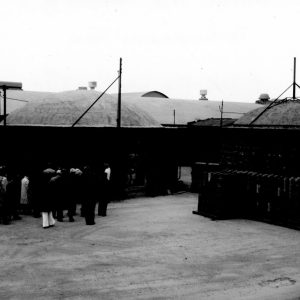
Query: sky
column 236, row 49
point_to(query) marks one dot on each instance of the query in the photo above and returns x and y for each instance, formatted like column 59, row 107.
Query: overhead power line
column 94, row 103
column 9, row 98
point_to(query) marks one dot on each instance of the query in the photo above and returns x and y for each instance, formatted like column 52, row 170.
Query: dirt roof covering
column 284, row 114
column 17, row 98
column 213, row 122
column 66, row 107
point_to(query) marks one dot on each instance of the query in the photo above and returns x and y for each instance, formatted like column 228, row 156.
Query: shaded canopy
column 283, row 114
column 66, row 107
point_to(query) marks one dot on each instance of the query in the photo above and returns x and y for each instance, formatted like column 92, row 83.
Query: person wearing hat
column 56, row 194
column 46, row 201
column 75, row 192
column 90, row 194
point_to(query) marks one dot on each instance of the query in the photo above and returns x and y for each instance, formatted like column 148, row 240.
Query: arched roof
column 149, row 94
column 283, row 114
column 162, row 110
column 155, row 94
column 66, row 107
column 18, row 98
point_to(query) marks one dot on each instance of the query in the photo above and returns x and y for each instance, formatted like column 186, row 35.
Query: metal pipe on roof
column 119, row 95
column 294, row 82
column 174, row 116
column 4, row 106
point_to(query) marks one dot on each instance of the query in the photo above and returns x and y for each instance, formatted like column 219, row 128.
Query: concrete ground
column 149, row 248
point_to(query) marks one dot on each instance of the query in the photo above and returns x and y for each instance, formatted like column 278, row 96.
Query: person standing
column 105, row 191
column 61, row 187
column 73, row 194
column 13, row 190
column 4, row 211
column 107, row 171
column 46, row 201
column 36, row 190
column 24, row 198
column 90, row 194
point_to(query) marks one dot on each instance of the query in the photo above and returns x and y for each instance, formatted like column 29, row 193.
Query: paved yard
column 149, row 248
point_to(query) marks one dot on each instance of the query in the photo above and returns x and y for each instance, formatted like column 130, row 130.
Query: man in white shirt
column 107, row 171
column 106, row 191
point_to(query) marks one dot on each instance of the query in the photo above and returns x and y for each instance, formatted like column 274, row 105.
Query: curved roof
column 149, row 94
column 18, row 98
column 138, row 109
column 66, row 107
column 155, row 94
column 283, row 114
column 162, row 110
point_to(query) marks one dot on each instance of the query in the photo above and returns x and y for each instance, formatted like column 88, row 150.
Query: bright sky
column 236, row 49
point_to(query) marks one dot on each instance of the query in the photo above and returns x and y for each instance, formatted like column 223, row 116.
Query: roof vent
column 203, row 94
column 92, row 85
column 82, row 88
column 263, row 99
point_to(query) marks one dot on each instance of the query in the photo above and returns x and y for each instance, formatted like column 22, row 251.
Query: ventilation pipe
column 203, row 94
column 92, row 85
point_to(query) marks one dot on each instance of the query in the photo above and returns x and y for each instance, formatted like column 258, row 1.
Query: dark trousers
column 59, row 214
column 13, row 206
column 102, row 207
column 36, row 210
column 71, row 209
column 4, row 215
column 89, row 212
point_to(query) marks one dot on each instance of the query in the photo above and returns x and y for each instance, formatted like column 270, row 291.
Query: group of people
column 51, row 191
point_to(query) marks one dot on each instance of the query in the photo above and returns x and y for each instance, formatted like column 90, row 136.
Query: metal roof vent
column 92, row 85
column 203, row 94
column 264, row 97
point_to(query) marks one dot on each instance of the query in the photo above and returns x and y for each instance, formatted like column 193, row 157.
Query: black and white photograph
column 150, row 149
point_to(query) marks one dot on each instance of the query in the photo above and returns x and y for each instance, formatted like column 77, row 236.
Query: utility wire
column 233, row 112
column 21, row 100
column 94, row 103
